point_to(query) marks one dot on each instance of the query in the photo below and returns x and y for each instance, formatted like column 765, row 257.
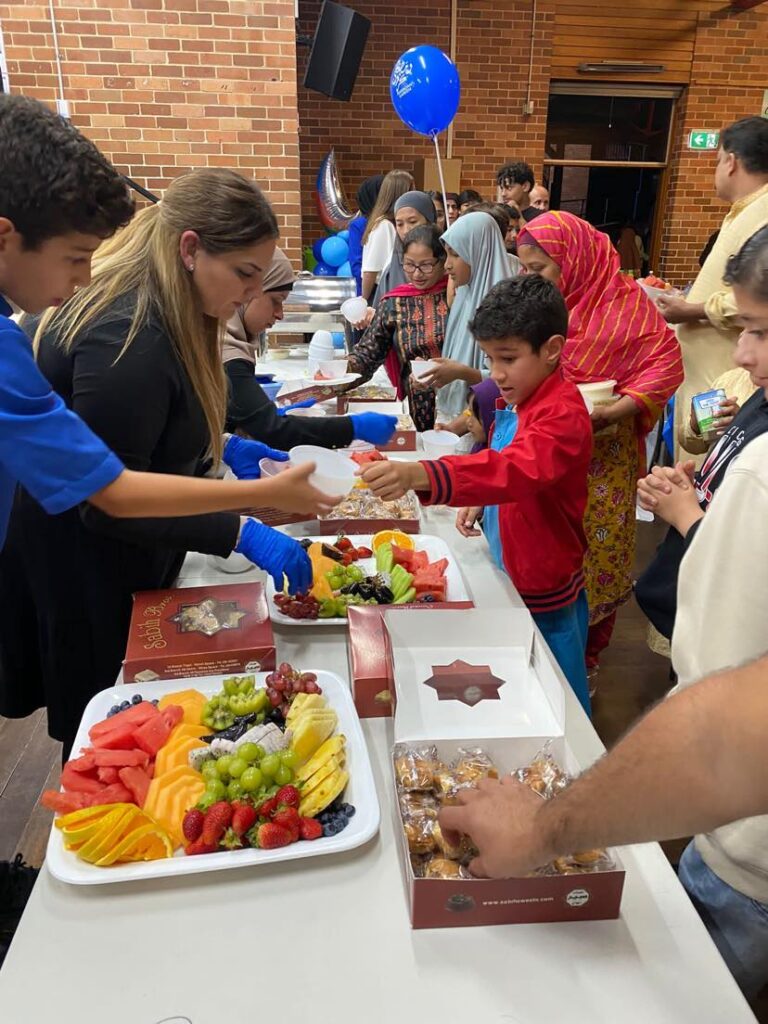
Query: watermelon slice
column 79, row 782
column 63, row 803
column 173, row 715
column 137, row 781
column 402, row 556
column 119, row 758
column 152, row 735
column 441, row 565
column 115, row 794
column 108, row 775
column 135, row 715
column 84, row 763
column 122, row 738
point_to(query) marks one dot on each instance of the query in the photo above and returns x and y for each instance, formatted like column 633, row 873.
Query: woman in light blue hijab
column 477, row 260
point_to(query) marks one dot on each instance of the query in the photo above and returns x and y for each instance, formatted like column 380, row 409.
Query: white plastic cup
column 354, row 309
column 598, row 391
column 437, row 443
column 232, row 563
column 334, row 368
column 420, row 367
column 271, row 467
column 334, row 475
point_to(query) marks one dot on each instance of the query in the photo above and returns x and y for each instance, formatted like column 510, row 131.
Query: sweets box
column 199, row 631
column 487, row 679
column 367, row 393
column 370, row 657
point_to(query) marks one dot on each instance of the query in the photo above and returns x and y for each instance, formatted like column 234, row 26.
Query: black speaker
column 337, row 50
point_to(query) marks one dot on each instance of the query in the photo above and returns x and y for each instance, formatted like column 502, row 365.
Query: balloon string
column 440, row 173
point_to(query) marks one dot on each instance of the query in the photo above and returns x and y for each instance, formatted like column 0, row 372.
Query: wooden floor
column 631, row 678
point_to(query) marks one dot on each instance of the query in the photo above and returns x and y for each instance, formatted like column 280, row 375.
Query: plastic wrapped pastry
column 415, row 767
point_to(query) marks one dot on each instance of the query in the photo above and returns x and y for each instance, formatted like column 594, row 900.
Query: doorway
column 606, row 156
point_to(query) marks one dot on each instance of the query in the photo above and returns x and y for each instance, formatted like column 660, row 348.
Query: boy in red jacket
column 535, row 469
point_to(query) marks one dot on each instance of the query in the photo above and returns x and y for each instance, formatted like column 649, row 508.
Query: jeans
column 737, row 925
column 566, row 634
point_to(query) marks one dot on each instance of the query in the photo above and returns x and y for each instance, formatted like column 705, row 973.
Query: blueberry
column 349, row 810
column 136, row 698
column 113, row 710
column 331, row 829
column 155, row 701
column 125, row 704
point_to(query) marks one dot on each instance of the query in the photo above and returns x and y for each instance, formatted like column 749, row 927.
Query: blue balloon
column 338, row 339
column 425, row 89
column 317, row 249
column 323, row 270
column 345, row 270
column 344, row 234
column 335, row 251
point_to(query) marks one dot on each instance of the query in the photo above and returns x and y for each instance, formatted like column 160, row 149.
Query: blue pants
column 737, row 925
column 566, row 634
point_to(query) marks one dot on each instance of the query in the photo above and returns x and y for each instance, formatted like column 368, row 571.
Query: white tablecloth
column 329, row 940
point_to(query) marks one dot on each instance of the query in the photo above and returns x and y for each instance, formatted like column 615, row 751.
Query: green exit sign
column 702, row 139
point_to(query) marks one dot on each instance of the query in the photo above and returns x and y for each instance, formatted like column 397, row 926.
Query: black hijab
column 368, row 193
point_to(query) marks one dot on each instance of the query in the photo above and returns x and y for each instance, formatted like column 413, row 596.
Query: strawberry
column 200, row 846
column 288, row 818
column 364, row 553
column 288, row 796
column 217, row 820
column 270, row 836
column 268, row 808
column 243, row 819
column 310, row 828
column 192, row 825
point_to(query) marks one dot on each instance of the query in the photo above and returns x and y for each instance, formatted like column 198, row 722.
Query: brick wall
column 163, row 86
column 728, row 78
column 493, row 49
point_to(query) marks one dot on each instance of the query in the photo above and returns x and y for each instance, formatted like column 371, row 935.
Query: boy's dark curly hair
column 515, row 174
column 526, row 308
column 53, row 181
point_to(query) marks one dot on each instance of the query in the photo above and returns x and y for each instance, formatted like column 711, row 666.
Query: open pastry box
column 469, row 680
column 404, row 438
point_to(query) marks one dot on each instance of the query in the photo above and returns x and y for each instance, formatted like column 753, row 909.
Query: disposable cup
column 271, row 467
column 334, row 475
column 598, row 391
column 437, row 443
column 420, row 367
column 333, row 368
column 354, row 309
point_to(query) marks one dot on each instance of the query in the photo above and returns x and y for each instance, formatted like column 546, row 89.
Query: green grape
column 206, row 801
column 209, row 769
column 250, row 752
column 269, row 765
column 235, row 790
column 222, row 765
column 216, row 789
column 236, row 767
column 355, row 574
column 289, row 757
column 251, row 779
column 283, row 775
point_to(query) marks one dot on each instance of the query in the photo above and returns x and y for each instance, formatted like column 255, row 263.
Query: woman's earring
column 191, row 267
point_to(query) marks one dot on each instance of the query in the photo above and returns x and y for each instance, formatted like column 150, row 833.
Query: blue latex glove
column 243, row 456
column 306, row 404
column 374, row 427
column 277, row 554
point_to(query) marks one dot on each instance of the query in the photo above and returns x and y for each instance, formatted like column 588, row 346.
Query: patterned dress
column 413, row 327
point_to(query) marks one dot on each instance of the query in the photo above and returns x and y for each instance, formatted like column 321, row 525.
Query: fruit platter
column 226, row 772
column 387, row 568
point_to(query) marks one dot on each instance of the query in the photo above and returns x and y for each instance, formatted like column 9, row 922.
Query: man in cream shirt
column 705, row 319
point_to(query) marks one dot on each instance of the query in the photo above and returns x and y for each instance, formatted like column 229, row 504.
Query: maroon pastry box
column 485, row 679
column 333, row 527
column 199, row 631
column 370, row 657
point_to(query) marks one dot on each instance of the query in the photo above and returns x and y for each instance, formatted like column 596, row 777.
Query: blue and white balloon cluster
column 332, row 256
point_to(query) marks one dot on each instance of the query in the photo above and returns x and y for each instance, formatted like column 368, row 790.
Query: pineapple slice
column 312, row 730
column 324, row 794
column 332, row 747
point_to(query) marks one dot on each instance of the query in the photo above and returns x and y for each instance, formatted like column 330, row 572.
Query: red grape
column 285, row 669
column 312, row 688
column 275, row 698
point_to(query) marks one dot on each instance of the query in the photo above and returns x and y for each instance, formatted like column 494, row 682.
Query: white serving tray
column 435, row 547
column 361, row 791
